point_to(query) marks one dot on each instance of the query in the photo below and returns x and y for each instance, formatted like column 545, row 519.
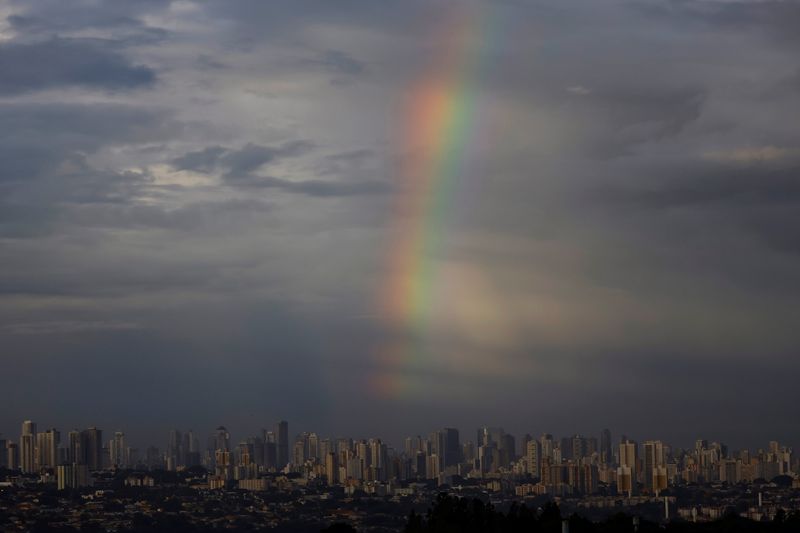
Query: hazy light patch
column 762, row 154
column 6, row 32
column 165, row 175
column 579, row 90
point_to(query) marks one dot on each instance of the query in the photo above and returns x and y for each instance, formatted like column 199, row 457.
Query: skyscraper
column 605, row 447
column 534, row 456
column 174, row 450
column 12, row 454
column 270, row 452
column 92, row 448
column 490, row 435
column 282, row 444
column 47, row 448
column 222, row 439
column 653, row 463
column 332, row 468
column 74, row 451
column 626, row 473
column 117, row 449
column 452, row 447
column 546, row 440
column 27, row 447
column 313, row 448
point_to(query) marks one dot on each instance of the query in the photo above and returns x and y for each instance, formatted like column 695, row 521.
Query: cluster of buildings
column 562, row 467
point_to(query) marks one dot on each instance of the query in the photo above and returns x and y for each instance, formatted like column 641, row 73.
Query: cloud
column 336, row 62
column 777, row 19
column 318, row 188
column 122, row 20
column 44, row 140
column 342, row 63
column 717, row 184
column 239, row 167
column 632, row 116
column 63, row 62
column 204, row 160
column 240, row 163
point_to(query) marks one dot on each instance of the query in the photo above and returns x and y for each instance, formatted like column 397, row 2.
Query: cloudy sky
column 203, row 204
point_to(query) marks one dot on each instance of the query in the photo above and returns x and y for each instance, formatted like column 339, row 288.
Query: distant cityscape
column 596, row 474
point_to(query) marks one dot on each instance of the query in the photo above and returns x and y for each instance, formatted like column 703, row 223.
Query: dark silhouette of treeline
column 451, row 514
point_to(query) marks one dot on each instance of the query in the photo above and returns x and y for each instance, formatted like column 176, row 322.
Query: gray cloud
column 50, row 142
column 48, row 17
column 314, row 187
column 634, row 116
column 714, row 184
column 204, row 160
column 68, row 62
column 240, row 163
column 342, row 63
column 775, row 18
column 239, row 166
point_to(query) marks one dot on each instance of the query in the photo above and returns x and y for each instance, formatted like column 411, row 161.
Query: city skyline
column 575, row 466
column 204, row 436
column 382, row 216
column 269, row 481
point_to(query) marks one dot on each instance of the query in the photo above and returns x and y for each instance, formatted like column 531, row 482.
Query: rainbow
column 440, row 118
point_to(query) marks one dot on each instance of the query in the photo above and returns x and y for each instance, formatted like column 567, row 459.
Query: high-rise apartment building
column 452, row 447
column 72, row 476
column 653, row 465
column 47, row 444
column 12, row 455
column 118, row 450
column 546, row 440
column 92, row 448
column 175, row 450
column 534, row 457
column 626, row 472
column 332, row 468
column 605, row 447
column 27, row 447
column 282, row 443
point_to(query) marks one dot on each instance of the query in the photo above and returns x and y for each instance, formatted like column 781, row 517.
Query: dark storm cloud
column 61, row 62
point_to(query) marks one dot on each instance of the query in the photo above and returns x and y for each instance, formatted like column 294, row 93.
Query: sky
column 382, row 218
